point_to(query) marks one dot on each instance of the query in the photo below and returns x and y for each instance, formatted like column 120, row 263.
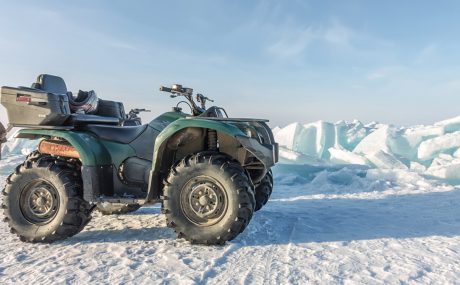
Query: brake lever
column 200, row 98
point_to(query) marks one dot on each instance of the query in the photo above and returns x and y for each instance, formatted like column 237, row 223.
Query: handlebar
column 179, row 90
column 165, row 89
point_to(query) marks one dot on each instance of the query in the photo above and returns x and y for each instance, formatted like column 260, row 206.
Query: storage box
column 34, row 107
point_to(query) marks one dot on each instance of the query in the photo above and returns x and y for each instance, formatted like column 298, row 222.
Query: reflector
column 58, row 148
column 23, row 98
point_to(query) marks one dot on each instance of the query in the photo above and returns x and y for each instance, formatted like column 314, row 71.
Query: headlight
column 248, row 130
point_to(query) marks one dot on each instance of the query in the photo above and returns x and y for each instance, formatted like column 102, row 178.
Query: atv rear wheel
column 42, row 200
column 117, row 208
column 208, row 198
column 264, row 190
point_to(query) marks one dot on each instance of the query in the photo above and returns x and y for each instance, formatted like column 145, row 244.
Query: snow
column 339, row 214
column 429, row 149
column 382, row 159
column 15, row 146
column 378, row 140
column 419, row 148
column 450, row 125
column 331, row 224
column 340, row 155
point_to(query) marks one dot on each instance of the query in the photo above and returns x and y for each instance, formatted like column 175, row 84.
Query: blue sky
column 390, row 61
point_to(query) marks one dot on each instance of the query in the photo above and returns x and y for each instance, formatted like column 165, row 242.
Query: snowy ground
column 340, row 224
column 432, row 150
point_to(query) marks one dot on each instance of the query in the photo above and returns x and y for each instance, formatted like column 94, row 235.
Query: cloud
column 427, row 53
column 384, row 72
column 294, row 42
column 377, row 74
column 338, row 34
column 114, row 43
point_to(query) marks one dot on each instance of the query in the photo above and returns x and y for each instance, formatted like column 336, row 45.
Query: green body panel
column 161, row 122
column 118, row 152
column 92, row 150
column 190, row 122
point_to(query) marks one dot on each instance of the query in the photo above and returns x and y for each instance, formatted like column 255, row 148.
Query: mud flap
column 97, row 182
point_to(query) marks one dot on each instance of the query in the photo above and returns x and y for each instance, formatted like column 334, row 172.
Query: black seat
column 107, row 115
column 51, row 84
column 116, row 133
column 84, row 119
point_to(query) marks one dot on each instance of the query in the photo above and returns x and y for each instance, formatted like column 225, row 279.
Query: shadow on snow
column 323, row 220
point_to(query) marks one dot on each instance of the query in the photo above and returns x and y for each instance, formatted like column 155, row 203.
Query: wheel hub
column 39, row 202
column 203, row 201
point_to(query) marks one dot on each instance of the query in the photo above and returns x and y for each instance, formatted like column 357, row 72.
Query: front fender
column 91, row 150
column 266, row 152
column 195, row 122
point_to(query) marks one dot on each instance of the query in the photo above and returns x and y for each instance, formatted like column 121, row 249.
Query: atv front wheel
column 42, row 200
column 208, row 198
column 264, row 190
column 117, row 208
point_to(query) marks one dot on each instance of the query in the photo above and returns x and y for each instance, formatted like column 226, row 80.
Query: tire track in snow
column 258, row 258
column 220, row 261
column 242, row 259
column 285, row 252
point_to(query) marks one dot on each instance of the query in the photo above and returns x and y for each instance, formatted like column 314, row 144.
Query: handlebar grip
column 165, row 89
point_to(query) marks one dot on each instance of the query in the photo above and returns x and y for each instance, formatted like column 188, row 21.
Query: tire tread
column 237, row 175
column 78, row 210
column 264, row 190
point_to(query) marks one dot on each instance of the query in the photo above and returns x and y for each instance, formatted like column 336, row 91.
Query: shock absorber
column 212, row 140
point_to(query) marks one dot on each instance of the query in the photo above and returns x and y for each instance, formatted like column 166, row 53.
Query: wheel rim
column 39, row 202
column 203, row 201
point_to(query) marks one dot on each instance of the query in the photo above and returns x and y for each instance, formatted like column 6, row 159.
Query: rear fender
column 92, row 152
column 99, row 159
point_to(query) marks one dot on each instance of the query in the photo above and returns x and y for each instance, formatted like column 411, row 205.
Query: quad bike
column 210, row 172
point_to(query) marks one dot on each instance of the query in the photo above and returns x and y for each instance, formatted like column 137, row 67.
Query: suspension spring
column 212, row 140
